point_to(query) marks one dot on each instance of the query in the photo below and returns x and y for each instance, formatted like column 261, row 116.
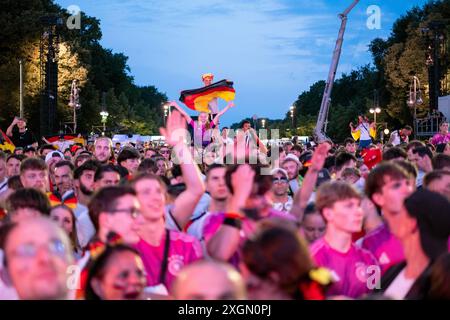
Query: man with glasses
column 115, row 209
column 165, row 152
column 280, row 188
column 37, row 256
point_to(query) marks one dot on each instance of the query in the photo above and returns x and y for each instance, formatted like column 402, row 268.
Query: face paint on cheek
column 119, row 286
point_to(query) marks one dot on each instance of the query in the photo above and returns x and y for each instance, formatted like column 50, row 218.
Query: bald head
column 209, row 280
column 37, row 255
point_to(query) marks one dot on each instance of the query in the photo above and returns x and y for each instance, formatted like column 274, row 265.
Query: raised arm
column 45, row 140
column 261, row 146
column 302, row 196
column 225, row 242
column 183, row 113
column 9, row 130
column 229, row 105
column 186, row 202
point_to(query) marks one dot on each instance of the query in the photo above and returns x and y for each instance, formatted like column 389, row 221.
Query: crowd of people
column 201, row 220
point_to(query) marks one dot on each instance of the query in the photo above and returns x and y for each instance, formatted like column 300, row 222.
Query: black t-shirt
column 23, row 139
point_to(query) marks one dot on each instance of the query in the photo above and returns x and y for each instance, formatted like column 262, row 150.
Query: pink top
column 349, row 270
column 386, row 248
column 202, row 136
column 183, row 250
column 439, row 138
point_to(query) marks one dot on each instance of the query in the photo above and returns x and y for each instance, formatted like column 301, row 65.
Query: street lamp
column 375, row 111
column 415, row 99
column 263, row 123
column 292, row 108
column 166, row 110
column 104, row 114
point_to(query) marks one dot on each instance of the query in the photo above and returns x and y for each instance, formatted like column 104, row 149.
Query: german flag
column 73, row 138
column 55, row 200
column 198, row 99
column 5, row 142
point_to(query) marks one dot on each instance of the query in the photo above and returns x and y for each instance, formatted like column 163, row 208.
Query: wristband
column 233, row 215
column 233, row 222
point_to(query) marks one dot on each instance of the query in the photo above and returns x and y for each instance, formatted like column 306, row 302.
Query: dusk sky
column 272, row 49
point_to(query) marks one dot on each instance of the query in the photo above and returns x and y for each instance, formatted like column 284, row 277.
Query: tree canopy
column 132, row 108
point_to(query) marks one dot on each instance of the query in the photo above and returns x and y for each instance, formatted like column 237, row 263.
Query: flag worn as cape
column 5, row 142
column 357, row 134
column 198, row 99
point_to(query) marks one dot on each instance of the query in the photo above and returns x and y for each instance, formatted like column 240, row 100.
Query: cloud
column 272, row 49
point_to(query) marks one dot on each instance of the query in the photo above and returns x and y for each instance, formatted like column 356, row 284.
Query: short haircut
column 15, row 183
column 149, row 149
column 343, row 158
column 128, row 153
column 262, row 181
column 309, row 209
column 350, row 172
column 33, row 164
column 409, row 167
column 212, row 167
column 148, row 165
column 65, row 163
column 348, row 140
column 28, row 198
column 19, row 157
column 90, row 165
column 423, row 151
column 434, row 175
column 297, row 147
column 244, row 122
column 46, row 147
column 80, row 157
column 146, row 176
column 409, row 128
column 333, row 191
column 103, row 138
column 441, row 161
column 394, row 153
column 105, row 200
column 376, row 179
column 414, row 144
column 176, row 171
column 3, row 156
column 101, row 170
column 330, row 162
